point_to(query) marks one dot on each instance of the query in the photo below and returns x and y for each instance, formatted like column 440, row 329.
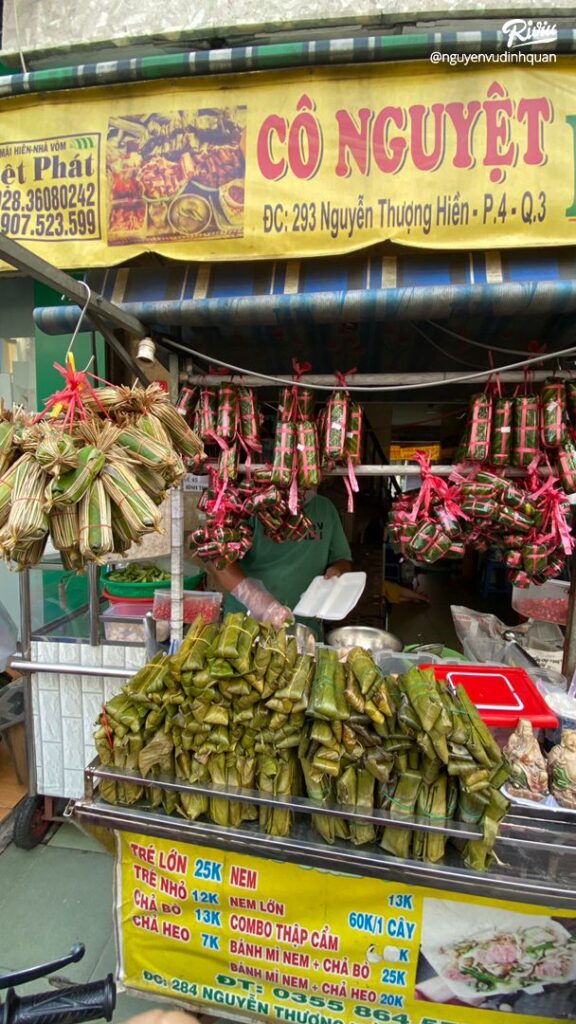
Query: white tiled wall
column 66, row 707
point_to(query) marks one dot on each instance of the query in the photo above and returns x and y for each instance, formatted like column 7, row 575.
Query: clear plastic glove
column 260, row 603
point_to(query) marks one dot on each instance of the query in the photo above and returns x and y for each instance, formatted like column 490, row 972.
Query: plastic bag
column 480, row 635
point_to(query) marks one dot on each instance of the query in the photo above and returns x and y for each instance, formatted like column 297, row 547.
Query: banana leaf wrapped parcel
column 480, row 428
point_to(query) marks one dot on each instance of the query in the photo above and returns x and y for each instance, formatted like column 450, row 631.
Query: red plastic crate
column 501, row 694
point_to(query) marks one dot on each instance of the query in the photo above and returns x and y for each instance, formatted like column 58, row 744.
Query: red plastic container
column 139, row 603
column 548, row 603
column 502, row 694
column 206, row 603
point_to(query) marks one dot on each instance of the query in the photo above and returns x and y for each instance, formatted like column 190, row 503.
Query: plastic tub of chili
column 547, row 603
column 207, row 603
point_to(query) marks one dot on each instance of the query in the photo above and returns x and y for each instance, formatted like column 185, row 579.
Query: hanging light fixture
column 146, row 353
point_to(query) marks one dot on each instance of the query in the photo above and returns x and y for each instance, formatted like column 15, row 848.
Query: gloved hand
column 260, row 603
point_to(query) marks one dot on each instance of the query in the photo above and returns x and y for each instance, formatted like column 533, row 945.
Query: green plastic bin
column 147, row 589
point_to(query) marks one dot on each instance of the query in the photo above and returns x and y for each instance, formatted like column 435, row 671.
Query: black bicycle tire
column 24, row 836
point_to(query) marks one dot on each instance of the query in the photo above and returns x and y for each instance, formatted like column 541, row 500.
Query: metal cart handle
column 70, row 1006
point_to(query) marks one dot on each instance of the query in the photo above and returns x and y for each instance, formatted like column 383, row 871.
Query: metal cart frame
column 36, row 812
column 525, row 834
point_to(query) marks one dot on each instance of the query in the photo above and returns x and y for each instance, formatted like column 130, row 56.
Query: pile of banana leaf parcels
column 238, row 706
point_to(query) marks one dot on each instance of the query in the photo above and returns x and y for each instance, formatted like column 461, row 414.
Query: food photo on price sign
column 494, row 959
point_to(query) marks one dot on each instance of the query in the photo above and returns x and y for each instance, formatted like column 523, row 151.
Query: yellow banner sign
column 303, row 163
column 406, row 453
column 273, row 941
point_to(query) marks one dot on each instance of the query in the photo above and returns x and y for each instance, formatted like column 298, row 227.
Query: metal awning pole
column 363, row 379
column 26, row 653
column 104, row 315
column 119, row 349
column 23, row 259
column 397, row 469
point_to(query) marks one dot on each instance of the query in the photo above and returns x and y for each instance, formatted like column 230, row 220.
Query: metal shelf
column 392, row 469
column 536, row 856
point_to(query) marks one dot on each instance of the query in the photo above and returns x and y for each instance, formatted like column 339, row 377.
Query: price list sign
column 49, row 188
column 246, row 937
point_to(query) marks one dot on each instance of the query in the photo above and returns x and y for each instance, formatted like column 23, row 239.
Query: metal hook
column 80, row 318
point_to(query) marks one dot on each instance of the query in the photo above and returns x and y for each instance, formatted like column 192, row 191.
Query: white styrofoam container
column 331, row 599
column 65, row 709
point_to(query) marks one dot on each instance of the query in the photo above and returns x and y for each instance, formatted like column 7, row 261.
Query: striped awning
column 395, row 44
column 381, row 284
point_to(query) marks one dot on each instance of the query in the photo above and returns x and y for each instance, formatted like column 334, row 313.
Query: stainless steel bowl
column 305, row 638
column 364, row 636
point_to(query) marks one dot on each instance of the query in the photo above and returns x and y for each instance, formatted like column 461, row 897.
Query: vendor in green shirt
column 272, row 576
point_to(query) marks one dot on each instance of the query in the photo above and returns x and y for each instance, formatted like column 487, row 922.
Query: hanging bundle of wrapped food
column 227, row 412
column 92, row 475
column 501, row 441
column 480, row 428
column 354, row 434
column 304, row 402
column 488, row 510
column 284, row 454
column 335, row 426
column 205, row 415
column 308, row 454
column 553, row 412
column 248, row 419
column 24, row 536
column 526, row 438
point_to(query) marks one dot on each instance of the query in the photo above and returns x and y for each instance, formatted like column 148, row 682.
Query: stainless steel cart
column 535, row 874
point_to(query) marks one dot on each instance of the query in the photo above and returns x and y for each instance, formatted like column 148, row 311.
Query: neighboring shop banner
column 298, row 163
column 279, row 942
column 406, row 453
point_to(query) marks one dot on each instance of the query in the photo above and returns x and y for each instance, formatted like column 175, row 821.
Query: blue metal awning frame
column 371, row 285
